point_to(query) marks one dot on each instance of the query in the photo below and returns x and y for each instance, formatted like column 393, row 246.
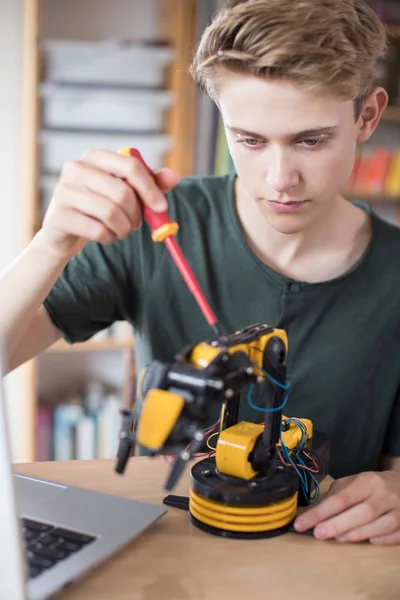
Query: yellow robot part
column 152, row 431
column 203, row 354
column 255, row 350
column 234, row 447
column 243, row 519
column 293, row 436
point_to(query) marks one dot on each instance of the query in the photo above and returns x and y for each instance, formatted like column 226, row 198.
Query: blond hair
column 327, row 45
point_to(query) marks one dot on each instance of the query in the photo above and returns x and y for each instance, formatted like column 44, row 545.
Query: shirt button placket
column 294, row 288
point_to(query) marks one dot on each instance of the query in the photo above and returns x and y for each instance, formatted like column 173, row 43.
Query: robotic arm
column 254, row 465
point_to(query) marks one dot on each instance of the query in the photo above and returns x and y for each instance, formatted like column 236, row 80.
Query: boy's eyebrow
column 306, row 133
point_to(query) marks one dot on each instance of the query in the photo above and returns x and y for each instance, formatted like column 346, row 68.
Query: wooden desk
column 173, row 560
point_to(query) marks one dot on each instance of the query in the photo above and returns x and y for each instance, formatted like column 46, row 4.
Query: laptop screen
column 12, row 580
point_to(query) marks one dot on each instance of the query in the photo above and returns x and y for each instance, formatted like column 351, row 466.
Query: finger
column 358, row 490
column 97, row 207
column 83, row 226
column 356, row 517
column 386, row 540
column 131, row 169
column 166, row 179
column 80, row 174
column 385, row 525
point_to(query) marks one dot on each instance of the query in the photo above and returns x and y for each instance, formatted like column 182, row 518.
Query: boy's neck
column 327, row 249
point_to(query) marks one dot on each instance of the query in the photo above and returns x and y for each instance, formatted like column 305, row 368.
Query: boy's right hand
column 100, row 198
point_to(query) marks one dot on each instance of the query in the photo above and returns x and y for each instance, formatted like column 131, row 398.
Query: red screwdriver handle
column 160, row 222
column 163, row 230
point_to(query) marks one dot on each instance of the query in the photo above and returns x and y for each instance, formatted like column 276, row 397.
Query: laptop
column 53, row 534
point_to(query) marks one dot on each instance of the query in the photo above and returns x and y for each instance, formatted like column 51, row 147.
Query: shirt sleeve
column 108, row 283
column 93, row 291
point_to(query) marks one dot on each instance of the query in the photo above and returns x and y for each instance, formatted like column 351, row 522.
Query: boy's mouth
column 287, row 207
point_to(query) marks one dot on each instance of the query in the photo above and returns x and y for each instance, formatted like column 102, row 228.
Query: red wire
column 316, row 470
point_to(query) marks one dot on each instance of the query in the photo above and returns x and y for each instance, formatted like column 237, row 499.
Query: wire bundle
column 299, row 465
column 301, row 468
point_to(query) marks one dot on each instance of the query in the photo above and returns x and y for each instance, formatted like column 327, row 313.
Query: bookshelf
column 164, row 22
column 376, row 177
column 373, row 197
column 391, row 114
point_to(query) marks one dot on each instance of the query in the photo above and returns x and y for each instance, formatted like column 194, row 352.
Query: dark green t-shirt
column 343, row 359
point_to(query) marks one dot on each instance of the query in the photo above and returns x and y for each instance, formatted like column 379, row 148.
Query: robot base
column 225, row 506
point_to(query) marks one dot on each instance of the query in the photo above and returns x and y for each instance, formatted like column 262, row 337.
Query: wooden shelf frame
column 29, row 198
column 177, row 26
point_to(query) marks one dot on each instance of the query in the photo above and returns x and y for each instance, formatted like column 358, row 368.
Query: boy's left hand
column 356, row 508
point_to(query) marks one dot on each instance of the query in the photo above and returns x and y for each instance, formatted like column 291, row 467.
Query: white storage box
column 104, row 108
column 105, row 62
column 59, row 147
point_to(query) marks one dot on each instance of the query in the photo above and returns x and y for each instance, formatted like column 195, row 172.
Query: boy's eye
column 249, row 142
column 312, row 142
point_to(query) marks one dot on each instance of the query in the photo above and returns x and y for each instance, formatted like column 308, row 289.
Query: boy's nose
column 282, row 175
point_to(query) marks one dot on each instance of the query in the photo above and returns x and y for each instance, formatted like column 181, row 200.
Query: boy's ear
column 373, row 107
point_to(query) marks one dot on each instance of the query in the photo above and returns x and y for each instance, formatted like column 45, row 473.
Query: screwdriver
column 163, row 230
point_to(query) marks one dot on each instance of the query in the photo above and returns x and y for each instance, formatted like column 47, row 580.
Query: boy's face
column 293, row 150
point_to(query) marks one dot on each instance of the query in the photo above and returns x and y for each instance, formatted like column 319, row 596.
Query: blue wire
column 288, row 458
column 317, row 489
column 284, row 450
column 261, row 408
column 302, row 428
column 283, row 386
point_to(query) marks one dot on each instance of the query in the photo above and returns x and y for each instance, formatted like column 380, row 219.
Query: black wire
column 217, row 329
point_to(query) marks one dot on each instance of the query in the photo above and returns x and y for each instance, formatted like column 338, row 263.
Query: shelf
column 392, row 114
column 91, row 346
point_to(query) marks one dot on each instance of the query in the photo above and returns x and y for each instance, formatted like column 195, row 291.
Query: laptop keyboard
column 46, row 545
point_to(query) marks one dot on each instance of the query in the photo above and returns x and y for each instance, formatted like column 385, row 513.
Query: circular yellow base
column 243, row 519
